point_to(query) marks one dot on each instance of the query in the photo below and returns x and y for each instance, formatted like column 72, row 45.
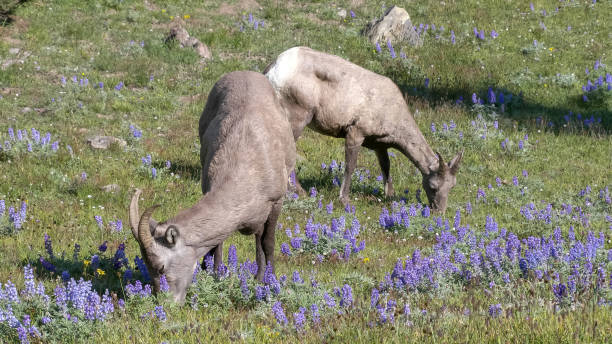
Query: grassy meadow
column 522, row 254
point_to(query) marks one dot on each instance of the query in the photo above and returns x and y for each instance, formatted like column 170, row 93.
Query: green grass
column 93, row 40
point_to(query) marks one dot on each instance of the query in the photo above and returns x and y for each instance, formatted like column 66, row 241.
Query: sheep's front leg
column 260, row 257
column 218, row 256
column 352, row 144
column 383, row 160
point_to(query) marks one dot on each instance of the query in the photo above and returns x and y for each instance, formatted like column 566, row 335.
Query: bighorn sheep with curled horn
column 247, row 153
column 341, row 99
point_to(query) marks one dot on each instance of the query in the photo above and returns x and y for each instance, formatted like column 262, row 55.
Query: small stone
column 203, row 51
column 104, row 142
column 107, row 117
column 342, row 13
column 110, row 188
column 26, row 109
column 14, row 51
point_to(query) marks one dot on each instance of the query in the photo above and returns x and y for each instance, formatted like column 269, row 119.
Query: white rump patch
column 284, row 68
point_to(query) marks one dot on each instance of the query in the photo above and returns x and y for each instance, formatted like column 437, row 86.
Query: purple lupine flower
column 491, row 95
column 98, row 219
column 426, row 82
column 46, row 264
column 391, row 50
column 160, row 313
column 47, row 239
column 352, row 14
column 142, row 268
column 515, row 181
column 474, row 98
column 495, row 310
column 232, row 258
column 314, row 313
column 374, row 296
column 531, row 7
column 330, row 207
column 119, row 86
column 153, row 172
column 378, row 49
column 520, row 144
column 65, row 276
column 163, row 284
column 296, row 243
column 481, row 35
column 452, row 36
column 279, row 313
column 313, row 192
column 103, row 247
column 426, row 211
column 298, row 318
column 480, row 195
column 11, row 292
column 261, row 292
column 296, row 278
column 29, row 284
column 284, row 248
column 494, row 34
column 347, row 296
column 330, row 302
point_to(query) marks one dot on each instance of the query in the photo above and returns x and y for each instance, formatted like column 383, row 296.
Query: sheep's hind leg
column 383, row 160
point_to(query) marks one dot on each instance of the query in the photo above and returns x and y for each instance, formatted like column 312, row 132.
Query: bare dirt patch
column 238, row 7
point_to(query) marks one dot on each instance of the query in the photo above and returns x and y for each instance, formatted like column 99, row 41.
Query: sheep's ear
column 172, row 235
column 454, row 164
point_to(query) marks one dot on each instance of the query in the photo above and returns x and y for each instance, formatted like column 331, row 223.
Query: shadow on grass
column 184, row 169
column 532, row 114
column 105, row 270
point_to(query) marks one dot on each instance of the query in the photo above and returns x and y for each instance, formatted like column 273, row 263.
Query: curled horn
column 134, row 213
column 144, row 233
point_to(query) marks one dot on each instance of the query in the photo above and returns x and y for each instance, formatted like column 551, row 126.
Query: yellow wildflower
column 186, row 16
column 164, row 10
column 366, row 259
column 551, row 48
column 100, row 272
column 171, row 17
column 86, row 262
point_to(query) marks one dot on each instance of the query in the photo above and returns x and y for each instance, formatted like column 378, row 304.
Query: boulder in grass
column 181, row 35
column 395, row 25
column 110, row 188
column 104, row 142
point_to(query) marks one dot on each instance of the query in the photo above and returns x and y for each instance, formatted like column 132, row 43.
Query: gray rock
column 14, row 51
column 395, row 25
column 342, row 13
column 182, row 37
column 104, row 142
column 110, row 188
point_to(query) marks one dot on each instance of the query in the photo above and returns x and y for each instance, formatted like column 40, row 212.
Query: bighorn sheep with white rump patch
column 247, row 154
column 341, row 99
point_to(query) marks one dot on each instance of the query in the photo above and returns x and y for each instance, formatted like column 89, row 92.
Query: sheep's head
column 163, row 250
column 439, row 182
